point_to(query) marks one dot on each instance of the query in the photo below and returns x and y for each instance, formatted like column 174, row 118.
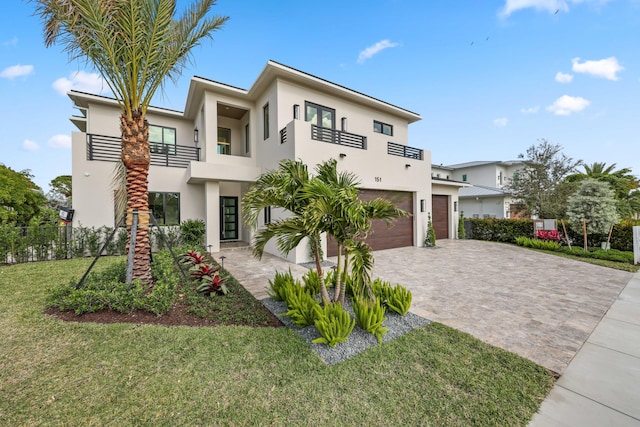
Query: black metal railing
column 283, row 135
column 107, row 148
column 404, row 151
column 334, row 136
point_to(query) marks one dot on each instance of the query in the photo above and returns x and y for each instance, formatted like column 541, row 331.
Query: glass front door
column 228, row 218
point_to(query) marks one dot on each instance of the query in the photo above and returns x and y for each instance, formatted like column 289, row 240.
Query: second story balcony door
column 318, row 115
column 224, row 141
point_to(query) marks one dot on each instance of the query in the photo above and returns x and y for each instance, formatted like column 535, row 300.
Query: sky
column 489, row 78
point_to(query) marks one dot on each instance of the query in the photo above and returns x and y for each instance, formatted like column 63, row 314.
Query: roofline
column 484, row 163
column 76, row 94
column 450, row 182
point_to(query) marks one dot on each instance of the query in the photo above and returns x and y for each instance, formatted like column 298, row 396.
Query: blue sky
column 489, row 77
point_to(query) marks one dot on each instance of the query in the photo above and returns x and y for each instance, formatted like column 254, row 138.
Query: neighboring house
column 204, row 158
column 487, row 196
column 445, row 193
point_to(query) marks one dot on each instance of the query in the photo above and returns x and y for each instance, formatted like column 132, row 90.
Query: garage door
column 440, row 208
column 400, row 234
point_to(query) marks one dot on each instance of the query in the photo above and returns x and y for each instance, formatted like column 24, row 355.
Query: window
column 224, row 141
column 267, row 215
column 464, row 178
column 384, row 128
column 247, row 142
column 162, row 139
column 318, row 115
column 265, row 120
column 165, row 207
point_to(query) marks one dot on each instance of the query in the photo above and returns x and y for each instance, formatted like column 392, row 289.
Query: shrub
column 610, row 255
column 302, row 307
column 397, row 298
column 192, row 232
column 430, row 234
column 277, row 289
column 333, row 323
column 311, row 282
column 370, row 316
column 462, row 234
column 500, row 230
column 547, row 245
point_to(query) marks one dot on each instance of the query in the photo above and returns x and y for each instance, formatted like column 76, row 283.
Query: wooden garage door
column 400, row 234
column 440, row 209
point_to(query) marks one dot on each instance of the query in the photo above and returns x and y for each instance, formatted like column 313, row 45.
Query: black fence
column 404, row 151
column 334, row 136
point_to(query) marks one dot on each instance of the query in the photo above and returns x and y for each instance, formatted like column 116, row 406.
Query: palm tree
column 135, row 45
column 284, row 188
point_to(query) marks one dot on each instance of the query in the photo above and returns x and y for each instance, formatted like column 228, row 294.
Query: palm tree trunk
column 323, row 287
column 343, row 289
column 136, row 158
column 336, row 291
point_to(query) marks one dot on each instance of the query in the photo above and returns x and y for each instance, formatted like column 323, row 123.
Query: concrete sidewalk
column 601, row 385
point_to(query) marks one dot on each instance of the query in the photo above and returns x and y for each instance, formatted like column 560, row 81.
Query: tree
column 540, row 186
column 20, row 199
column 622, row 182
column 60, row 192
column 135, row 45
column 595, row 204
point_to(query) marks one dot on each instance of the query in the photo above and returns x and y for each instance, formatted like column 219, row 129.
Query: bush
column 333, row 323
column 610, row 255
column 311, row 282
column 302, row 307
column 370, row 316
column 547, row 245
column 397, row 298
column 277, row 289
column 192, row 232
column 500, row 230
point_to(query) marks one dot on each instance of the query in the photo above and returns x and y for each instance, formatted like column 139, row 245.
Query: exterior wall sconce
column 195, row 136
column 343, row 124
column 342, row 155
column 455, row 206
column 407, row 166
column 423, row 205
column 296, row 111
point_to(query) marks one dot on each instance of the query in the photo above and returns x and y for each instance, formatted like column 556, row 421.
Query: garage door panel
column 399, row 234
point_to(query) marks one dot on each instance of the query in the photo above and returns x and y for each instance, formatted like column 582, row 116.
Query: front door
column 228, row 218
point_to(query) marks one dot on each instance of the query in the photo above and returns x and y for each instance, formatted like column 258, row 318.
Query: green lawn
column 58, row 373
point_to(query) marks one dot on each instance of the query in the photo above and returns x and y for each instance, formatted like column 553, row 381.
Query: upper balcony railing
column 404, row 151
column 334, row 136
column 107, row 148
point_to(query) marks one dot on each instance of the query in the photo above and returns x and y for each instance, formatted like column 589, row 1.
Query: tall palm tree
column 134, row 45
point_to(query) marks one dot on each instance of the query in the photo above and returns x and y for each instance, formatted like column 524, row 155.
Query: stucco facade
column 242, row 133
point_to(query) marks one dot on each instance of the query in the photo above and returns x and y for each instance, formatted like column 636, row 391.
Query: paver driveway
column 538, row 305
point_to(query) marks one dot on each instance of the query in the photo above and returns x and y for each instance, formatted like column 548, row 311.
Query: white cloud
column 567, row 105
column 29, row 145
column 12, row 42
column 81, row 81
column 60, row 141
column 551, row 6
column 563, row 78
column 500, row 122
column 16, row 71
column 375, row 49
column 605, row 68
column 530, row 110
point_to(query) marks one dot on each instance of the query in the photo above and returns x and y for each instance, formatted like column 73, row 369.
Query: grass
column 59, row 373
column 602, row 262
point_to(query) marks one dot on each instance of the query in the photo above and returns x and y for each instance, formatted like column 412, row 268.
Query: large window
column 165, row 207
column 224, row 141
column 162, row 139
column 265, row 120
column 320, row 116
column 382, row 128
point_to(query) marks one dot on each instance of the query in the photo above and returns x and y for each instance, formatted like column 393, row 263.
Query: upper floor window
column 247, row 141
column 464, row 178
column 265, row 120
column 384, row 128
column 165, row 207
column 224, row 140
column 318, row 115
column 162, row 139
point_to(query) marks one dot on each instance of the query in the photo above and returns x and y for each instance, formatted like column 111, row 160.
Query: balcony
column 334, row 136
column 404, row 151
column 107, row 148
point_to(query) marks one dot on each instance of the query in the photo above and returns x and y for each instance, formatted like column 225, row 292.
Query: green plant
column 333, row 323
column 397, row 298
column 277, row 289
column 192, row 232
column 430, row 235
column 500, row 230
column 462, row 234
column 311, row 282
column 547, row 245
column 302, row 307
column 370, row 316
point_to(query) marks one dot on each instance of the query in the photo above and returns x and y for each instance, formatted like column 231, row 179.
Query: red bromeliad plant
column 201, row 270
column 193, row 258
column 212, row 284
column 553, row 235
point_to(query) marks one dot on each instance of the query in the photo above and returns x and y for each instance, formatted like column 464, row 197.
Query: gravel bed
column 358, row 341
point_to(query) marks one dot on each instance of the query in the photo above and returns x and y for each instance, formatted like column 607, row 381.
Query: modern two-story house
column 204, row 158
column 487, row 196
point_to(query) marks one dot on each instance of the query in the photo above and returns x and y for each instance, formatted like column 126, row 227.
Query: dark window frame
column 247, row 140
column 267, row 215
column 382, row 127
column 265, row 121
column 162, row 219
column 156, row 147
column 219, row 144
column 320, row 109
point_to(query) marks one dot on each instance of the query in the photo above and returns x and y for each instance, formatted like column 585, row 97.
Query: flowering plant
column 193, row 258
column 553, row 235
column 212, row 284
